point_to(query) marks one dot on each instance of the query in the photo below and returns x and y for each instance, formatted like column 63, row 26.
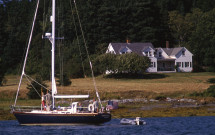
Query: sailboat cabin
column 162, row 59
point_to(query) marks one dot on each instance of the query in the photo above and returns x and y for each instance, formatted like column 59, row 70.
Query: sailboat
column 52, row 115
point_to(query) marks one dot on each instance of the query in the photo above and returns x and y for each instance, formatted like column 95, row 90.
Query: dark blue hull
column 61, row 119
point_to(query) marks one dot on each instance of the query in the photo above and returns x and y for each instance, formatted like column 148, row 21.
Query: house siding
column 110, row 49
column 153, row 67
column 185, row 60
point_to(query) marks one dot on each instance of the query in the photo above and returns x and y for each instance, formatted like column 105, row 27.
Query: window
column 182, row 64
column 178, row 64
column 147, row 53
column 159, row 54
column 151, row 65
column 154, row 64
column 186, row 64
column 183, row 52
column 190, row 64
column 155, row 52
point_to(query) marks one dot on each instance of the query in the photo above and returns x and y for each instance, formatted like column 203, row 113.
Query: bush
column 210, row 69
column 1, row 80
column 210, row 92
column 160, row 98
column 211, row 80
column 2, row 74
column 125, row 63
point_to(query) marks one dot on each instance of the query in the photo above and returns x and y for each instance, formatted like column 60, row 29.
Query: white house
column 162, row 59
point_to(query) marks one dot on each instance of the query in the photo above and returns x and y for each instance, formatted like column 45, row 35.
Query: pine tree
column 36, row 89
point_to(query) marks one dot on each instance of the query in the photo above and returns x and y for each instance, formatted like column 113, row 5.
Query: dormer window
column 148, row 53
column 183, row 52
column 155, row 52
column 160, row 54
column 125, row 50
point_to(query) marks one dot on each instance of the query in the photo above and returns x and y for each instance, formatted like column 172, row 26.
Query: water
column 154, row 126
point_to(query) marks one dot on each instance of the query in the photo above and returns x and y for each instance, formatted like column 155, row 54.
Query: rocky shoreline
column 143, row 107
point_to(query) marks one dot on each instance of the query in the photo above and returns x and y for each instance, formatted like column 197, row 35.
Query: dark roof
column 134, row 47
column 172, row 51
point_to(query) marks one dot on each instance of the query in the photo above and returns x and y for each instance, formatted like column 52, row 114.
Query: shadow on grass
column 136, row 76
column 5, row 85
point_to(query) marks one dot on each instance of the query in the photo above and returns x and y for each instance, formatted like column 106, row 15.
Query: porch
column 166, row 65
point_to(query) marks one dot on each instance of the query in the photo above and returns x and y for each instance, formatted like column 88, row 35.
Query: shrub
column 160, row 98
column 211, row 80
column 210, row 92
column 125, row 63
column 210, row 69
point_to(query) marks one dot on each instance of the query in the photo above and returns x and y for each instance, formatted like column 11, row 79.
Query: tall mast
column 53, row 51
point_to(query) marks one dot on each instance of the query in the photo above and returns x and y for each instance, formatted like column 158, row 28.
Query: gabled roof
column 134, row 47
column 172, row 51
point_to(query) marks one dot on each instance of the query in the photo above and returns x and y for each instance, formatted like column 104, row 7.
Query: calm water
column 155, row 126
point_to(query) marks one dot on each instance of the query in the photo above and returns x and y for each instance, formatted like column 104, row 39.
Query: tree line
column 188, row 23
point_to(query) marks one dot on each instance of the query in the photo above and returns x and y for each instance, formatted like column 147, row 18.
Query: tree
column 35, row 89
column 125, row 63
column 202, row 41
column 65, row 80
column 105, row 62
column 180, row 26
column 132, row 63
column 1, row 73
column 17, row 24
column 2, row 44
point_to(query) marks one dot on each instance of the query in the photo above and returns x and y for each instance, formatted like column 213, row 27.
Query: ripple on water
column 154, row 126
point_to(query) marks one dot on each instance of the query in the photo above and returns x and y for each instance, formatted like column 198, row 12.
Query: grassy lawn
column 148, row 86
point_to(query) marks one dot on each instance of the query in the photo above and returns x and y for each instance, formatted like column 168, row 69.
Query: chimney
column 127, row 41
column 167, row 44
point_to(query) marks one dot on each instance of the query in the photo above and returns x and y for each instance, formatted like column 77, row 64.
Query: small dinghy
column 136, row 121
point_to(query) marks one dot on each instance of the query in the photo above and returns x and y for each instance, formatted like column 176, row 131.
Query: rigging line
column 73, row 18
column 23, row 56
column 85, row 44
column 33, row 86
column 29, row 42
column 37, row 82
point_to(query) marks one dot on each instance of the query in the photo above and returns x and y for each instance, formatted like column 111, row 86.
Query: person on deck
column 95, row 105
column 80, row 107
column 43, row 103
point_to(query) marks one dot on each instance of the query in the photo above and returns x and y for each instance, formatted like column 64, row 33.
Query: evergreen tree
column 36, row 89
column 2, row 43
column 17, row 26
column 202, row 41
column 103, row 21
